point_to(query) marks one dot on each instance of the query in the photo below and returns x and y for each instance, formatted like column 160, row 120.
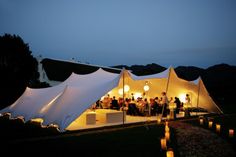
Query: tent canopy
column 63, row 103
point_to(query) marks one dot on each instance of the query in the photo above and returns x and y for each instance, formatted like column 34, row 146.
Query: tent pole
column 123, row 105
column 198, row 92
column 167, row 86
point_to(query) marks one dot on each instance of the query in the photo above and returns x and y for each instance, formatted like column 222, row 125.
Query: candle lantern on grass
column 231, row 133
column 163, row 144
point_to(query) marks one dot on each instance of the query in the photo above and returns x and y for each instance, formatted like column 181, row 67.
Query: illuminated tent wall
column 166, row 81
column 63, row 103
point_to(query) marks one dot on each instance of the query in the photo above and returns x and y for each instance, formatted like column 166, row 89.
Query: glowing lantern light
column 218, row 128
column 169, row 153
column 210, row 124
column 163, row 143
column 231, row 132
column 167, row 135
column 137, row 95
column 201, row 121
column 126, row 88
column 120, row 91
column 182, row 97
column 146, row 88
column 158, row 120
column 167, row 129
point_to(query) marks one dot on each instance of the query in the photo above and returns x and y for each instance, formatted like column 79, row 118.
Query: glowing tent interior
column 64, row 103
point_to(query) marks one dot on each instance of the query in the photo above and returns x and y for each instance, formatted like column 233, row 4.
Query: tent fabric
column 160, row 75
column 196, row 81
column 63, row 103
column 167, row 82
column 205, row 99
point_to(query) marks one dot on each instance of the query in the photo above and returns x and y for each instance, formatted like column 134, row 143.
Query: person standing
column 187, row 104
column 164, row 103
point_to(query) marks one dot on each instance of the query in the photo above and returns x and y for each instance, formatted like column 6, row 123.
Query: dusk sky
column 113, row 32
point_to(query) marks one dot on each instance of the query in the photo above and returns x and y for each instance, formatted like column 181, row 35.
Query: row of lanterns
column 164, row 140
column 127, row 88
column 217, row 126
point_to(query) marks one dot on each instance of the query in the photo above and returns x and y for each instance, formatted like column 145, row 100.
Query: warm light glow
column 120, row 91
column 210, row 124
column 92, row 112
column 167, row 129
column 167, row 136
column 126, row 87
column 163, row 143
column 231, row 132
column 182, row 97
column 136, row 95
column 201, row 121
column 158, row 120
column 148, row 119
column 218, row 128
column 146, row 88
column 172, row 106
column 169, row 153
column 37, row 120
column 166, row 123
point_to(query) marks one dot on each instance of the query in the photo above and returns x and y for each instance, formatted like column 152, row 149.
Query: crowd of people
column 143, row 106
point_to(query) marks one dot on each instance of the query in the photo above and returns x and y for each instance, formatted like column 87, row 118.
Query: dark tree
column 18, row 68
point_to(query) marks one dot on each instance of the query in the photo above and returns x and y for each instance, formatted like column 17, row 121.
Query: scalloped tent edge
column 63, row 103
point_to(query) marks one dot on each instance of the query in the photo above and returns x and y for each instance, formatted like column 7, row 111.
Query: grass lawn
column 132, row 141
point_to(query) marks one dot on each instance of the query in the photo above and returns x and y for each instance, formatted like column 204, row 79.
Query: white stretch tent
column 167, row 81
column 63, row 103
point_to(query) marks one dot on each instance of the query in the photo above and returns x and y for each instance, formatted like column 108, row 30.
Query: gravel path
column 194, row 141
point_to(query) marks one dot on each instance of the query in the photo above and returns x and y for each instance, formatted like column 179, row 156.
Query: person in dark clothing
column 114, row 104
column 178, row 104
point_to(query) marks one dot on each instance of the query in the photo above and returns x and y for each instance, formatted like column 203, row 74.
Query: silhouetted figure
column 178, row 104
column 114, row 104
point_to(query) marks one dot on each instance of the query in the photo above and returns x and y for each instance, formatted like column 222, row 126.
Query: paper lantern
column 163, row 144
column 146, row 88
column 126, row 87
column 120, row 91
column 231, row 132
